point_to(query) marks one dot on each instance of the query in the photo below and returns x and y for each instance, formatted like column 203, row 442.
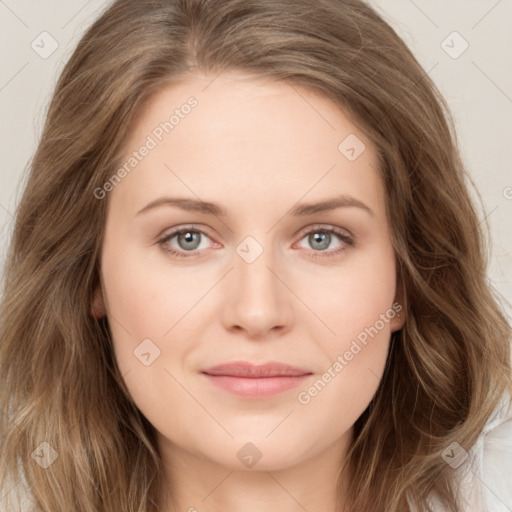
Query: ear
column 398, row 321
column 98, row 303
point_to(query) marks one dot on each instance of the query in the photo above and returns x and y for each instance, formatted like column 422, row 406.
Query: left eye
column 189, row 241
column 320, row 239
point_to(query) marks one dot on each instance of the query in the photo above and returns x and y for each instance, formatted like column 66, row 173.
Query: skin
column 256, row 148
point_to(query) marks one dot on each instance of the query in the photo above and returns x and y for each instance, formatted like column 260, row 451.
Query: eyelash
column 344, row 237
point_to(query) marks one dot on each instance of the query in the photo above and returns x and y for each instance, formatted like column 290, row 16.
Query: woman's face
column 258, row 275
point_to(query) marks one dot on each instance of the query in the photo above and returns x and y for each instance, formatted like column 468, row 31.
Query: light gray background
column 477, row 85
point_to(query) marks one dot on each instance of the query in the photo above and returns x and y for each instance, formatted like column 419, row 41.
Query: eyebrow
column 301, row 210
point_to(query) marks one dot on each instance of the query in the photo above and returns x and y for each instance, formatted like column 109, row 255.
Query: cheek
column 355, row 297
column 338, row 397
column 149, row 301
column 145, row 312
column 355, row 355
column 356, row 309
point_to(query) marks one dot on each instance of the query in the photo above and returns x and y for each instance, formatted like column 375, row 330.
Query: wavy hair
column 447, row 367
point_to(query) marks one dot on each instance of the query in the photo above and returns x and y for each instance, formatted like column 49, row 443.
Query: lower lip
column 256, row 387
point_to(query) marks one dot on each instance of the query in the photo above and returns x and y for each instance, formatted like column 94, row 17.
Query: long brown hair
column 448, row 366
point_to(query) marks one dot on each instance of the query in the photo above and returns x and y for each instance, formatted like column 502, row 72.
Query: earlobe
column 98, row 304
column 398, row 321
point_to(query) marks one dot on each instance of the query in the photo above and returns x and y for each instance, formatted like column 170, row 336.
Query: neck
column 198, row 484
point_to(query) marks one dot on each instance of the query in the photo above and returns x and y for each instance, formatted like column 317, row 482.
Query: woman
column 246, row 274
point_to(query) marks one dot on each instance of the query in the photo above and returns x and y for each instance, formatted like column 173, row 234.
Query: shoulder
column 484, row 473
column 16, row 499
column 486, row 481
column 496, row 463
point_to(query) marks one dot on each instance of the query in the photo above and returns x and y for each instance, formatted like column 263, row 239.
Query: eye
column 188, row 242
column 320, row 239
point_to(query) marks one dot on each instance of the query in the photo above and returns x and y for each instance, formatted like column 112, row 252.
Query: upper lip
column 249, row 370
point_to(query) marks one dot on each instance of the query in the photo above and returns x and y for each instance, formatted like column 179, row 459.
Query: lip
column 257, row 381
column 250, row 370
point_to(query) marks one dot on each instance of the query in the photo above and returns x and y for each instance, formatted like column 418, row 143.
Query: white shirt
column 491, row 475
column 485, row 476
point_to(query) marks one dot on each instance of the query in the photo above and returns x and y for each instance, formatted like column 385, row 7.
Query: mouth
column 256, row 381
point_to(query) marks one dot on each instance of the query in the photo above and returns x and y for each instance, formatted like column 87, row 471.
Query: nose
column 258, row 302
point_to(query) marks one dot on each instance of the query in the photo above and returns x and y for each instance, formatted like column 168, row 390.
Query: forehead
column 232, row 133
column 233, row 106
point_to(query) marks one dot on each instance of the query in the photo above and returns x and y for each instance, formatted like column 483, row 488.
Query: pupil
column 323, row 239
column 189, row 239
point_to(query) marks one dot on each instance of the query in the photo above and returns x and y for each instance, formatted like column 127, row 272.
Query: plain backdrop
column 464, row 45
